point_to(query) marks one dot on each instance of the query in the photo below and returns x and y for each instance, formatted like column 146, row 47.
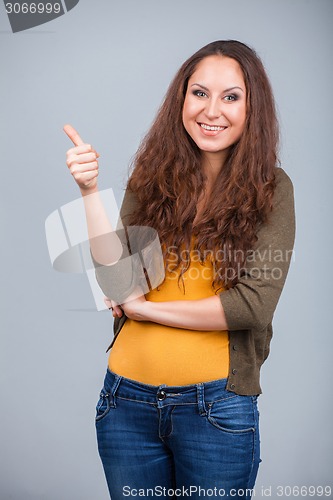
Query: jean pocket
column 235, row 414
column 103, row 405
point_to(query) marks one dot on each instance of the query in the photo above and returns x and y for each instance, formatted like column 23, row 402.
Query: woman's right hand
column 82, row 162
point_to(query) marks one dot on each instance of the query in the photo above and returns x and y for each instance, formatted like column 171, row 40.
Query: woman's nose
column 213, row 109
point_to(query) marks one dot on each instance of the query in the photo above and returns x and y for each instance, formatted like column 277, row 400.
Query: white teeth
column 207, row 127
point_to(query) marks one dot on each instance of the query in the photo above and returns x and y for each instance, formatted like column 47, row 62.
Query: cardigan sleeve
column 251, row 303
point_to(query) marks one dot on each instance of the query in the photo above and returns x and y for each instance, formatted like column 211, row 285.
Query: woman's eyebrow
column 226, row 90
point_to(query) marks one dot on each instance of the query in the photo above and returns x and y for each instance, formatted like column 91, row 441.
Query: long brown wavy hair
column 168, row 180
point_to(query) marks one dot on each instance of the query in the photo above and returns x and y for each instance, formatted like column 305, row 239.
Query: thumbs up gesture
column 82, row 162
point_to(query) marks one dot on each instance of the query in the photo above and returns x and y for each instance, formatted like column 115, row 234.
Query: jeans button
column 161, row 395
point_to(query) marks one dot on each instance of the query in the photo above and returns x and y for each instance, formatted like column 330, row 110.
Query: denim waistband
column 201, row 393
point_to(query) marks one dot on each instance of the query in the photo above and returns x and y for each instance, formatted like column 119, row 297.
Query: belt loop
column 201, row 399
column 114, row 389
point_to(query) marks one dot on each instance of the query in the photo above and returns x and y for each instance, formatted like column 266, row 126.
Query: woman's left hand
column 117, row 311
column 134, row 309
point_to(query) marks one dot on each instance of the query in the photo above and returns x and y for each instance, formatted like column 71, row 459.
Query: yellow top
column 156, row 354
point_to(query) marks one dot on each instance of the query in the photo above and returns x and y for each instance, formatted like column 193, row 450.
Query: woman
column 177, row 414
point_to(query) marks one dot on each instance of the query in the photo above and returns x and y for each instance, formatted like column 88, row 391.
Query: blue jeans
column 167, row 441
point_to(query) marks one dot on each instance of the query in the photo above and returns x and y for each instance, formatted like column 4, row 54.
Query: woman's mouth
column 211, row 129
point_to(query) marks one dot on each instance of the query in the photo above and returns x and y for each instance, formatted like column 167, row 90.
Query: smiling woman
column 178, row 407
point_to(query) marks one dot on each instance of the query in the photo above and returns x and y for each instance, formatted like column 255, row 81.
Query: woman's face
column 214, row 109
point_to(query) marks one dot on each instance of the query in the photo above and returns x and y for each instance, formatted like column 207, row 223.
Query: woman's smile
column 211, row 130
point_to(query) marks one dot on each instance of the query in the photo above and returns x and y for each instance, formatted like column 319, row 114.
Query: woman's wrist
column 144, row 310
column 153, row 311
column 87, row 191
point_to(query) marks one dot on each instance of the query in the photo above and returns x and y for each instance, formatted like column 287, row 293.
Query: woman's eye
column 231, row 97
column 199, row 93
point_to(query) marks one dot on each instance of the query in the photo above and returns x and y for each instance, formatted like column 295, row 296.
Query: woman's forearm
column 105, row 245
column 202, row 314
column 82, row 162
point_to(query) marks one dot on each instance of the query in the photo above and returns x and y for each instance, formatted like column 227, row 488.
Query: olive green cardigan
column 249, row 306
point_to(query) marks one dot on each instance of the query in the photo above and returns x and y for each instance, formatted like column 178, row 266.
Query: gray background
column 104, row 67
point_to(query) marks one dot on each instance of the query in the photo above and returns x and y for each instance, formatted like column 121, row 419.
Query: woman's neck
column 212, row 163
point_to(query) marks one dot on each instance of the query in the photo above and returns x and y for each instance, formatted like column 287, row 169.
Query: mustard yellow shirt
column 156, row 354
